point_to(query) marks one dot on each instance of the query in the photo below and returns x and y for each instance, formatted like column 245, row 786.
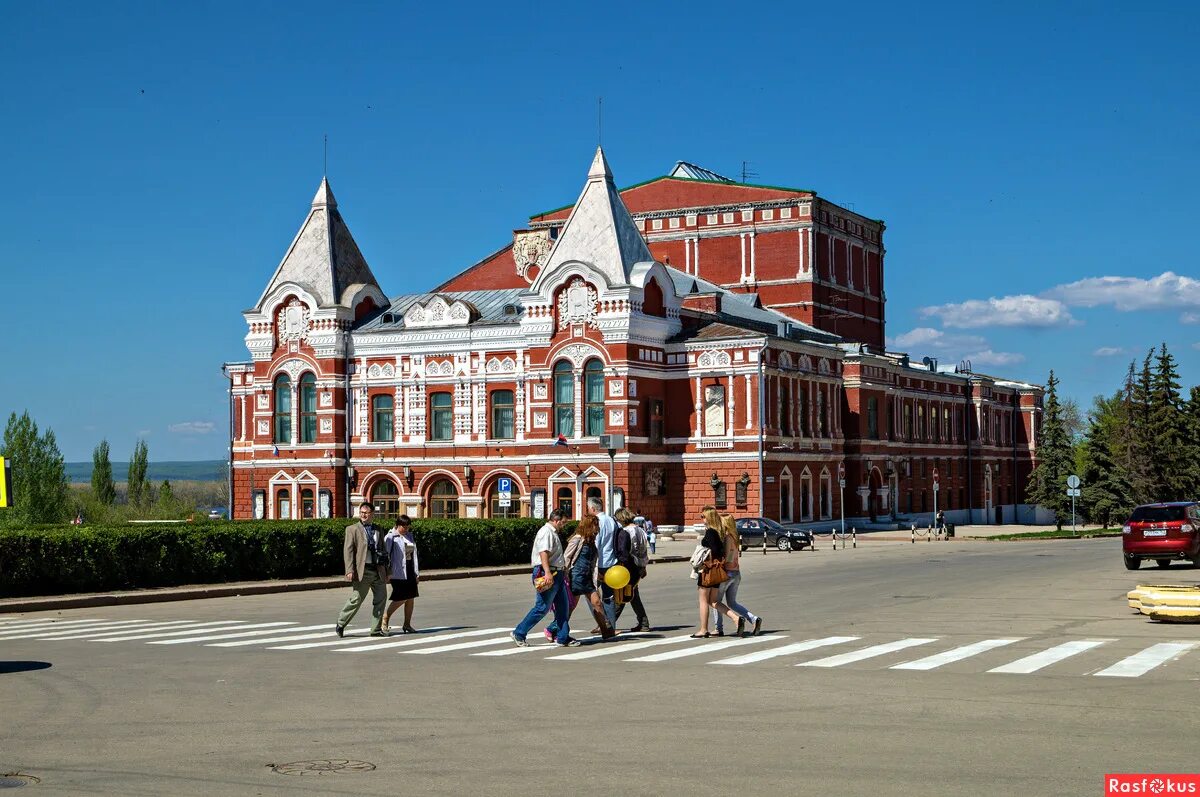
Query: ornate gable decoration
column 531, row 248
column 293, row 321
column 577, row 304
column 713, row 359
column 377, row 371
column 506, row 366
column 437, row 312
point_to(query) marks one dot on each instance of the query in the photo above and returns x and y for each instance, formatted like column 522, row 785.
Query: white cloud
column 1108, row 351
column 1196, row 346
column 989, row 357
column 192, row 427
column 952, row 346
column 1190, row 318
column 143, row 432
column 1021, row 310
column 1129, row 293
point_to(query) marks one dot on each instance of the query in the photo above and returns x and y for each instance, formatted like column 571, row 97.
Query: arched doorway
column 785, row 496
column 385, row 500
column 443, row 499
column 514, row 506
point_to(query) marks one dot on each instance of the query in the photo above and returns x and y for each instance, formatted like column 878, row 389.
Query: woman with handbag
column 405, row 572
column 580, row 562
column 727, row 592
column 712, row 574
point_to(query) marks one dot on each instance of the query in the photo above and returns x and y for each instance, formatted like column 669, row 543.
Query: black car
column 751, row 530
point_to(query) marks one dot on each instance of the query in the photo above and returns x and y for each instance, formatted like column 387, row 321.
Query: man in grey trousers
column 364, row 571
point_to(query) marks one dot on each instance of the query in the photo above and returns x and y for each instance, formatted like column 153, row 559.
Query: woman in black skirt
column 402, row 550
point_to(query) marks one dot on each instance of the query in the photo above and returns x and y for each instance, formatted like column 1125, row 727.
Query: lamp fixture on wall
column 408, row 476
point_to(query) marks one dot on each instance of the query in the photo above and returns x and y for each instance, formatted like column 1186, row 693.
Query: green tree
column 1134, row 455
column 1166, row 433
column 139, row 463
column 1055, row 458
column 1191, row 414
column 102, row 479
column 164, row 493
column 38, row 475
column 1107, row 493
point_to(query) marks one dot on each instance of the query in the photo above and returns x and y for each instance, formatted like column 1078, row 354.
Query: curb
column 200, row 592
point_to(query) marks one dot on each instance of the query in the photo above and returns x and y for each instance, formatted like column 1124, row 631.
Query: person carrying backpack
column 632, row 550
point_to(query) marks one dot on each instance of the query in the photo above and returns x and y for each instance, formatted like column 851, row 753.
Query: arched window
column 514, row 506
column 441, row 417
column 307, row 505
column 283, row 409
column 873, row 418
column 593, row 381
column 652, row 299
column 593, row 492
column 564, row 499
column 827, row 496
column 283, row 504
column 308, row 410
column 564, row 399
column 443, row 500
column 382, row 418
column 502, row 415
column 385, row 499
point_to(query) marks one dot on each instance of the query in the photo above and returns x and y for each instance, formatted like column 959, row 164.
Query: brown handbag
column 713, row 574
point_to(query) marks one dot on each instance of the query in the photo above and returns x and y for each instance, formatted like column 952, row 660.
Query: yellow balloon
column 616, row 576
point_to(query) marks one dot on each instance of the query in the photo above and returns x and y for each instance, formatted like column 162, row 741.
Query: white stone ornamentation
column 616, row 417
column 616, row 388
column 505, row 366
column 326, row 399
column 541, row 420
column 530, row 248
column 438, row 312
column 713, row 359
column 577, row 304
column 539, row 391
column 326, row 425
column 294, row 321
column 264, row 427
column 295, row 367
column 579, row 353
column 264, row 401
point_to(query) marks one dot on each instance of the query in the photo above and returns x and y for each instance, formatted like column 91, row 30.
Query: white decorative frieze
column 438, row 312
column 505, row 366
column 713, row 359
column 580, row 352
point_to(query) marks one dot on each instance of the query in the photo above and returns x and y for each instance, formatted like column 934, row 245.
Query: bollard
column 931, row 533
column 853, row 537
column 833, row 534
column 914, row 535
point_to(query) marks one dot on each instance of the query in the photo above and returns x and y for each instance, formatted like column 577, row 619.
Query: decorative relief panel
column 294, row 321
column 505, row 366
column 653, row 481
column 541, row 419
column 437, row 312
column 530, row 249
column 326, row 425
column 785, row 360
column 264, row 401
column 805, row 363
column 295, row 367
column 540, row 391
column 616, row 388
column 616, row 417
column 579, row 352
column 713, row 359
column 326, row 399
column 264, row 427
column 577, row 304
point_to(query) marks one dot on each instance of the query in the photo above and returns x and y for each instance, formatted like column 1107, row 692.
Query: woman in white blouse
column 402, row 550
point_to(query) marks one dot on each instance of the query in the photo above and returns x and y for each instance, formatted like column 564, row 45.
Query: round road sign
column 1073, row 481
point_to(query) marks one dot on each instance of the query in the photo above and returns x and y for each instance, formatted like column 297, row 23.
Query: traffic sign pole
column 842, row 498
column 1073, row 483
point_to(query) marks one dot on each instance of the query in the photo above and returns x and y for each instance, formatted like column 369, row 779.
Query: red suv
column 1162, row 532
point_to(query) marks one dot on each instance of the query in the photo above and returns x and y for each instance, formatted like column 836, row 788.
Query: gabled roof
column 599, row 232
column 489, row 304
column 323, row 256
column 693, row 172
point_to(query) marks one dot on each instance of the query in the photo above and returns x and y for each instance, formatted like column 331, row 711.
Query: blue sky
column 159, row 157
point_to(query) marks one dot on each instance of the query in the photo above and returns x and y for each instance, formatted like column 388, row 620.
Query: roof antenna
column 325, row 173
column 746, row 173
column 599, row 121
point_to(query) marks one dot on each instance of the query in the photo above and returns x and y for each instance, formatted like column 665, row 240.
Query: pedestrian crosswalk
column 1013, row 655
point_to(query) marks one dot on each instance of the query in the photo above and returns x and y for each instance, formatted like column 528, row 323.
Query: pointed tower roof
column 323, row 256
column 600, row 231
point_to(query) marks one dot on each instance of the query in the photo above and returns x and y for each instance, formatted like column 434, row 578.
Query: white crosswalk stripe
column 294, row 637
column 262, row 632
column 477, row 643
column 140, row 625
column 709, row 647
column 954, row 654
column 544, row 647
column 172, row 634
column 1045, row 658
column 412, row 641
column 786, row 650
column 44, row 624
column 52, row 631
column 867, row 653
column 1146, row 660
column 614, row 648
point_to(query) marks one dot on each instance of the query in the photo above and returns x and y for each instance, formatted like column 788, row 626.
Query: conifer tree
column 1191, row 413
column 1165, row 432
column 102, row 478
column 1137, row 435
column 39, row 477
column 1055, row 458
column 1107, row 493
column 139, row 487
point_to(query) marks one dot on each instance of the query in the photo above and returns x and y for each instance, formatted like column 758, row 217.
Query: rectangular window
column 873, row 418
column 908, row 420
column 785, row 417
column 441, row 417
column 382, row 429
column 655, row 430
column 674, row 224
column 768, row 215
column 502, row 415
column 804, row 425
column 714, row 410
column 656, row 224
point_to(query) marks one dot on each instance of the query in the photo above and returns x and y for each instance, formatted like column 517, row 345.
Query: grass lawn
column 1054, row 534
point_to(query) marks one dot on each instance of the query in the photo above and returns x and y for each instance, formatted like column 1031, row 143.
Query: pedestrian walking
column 605, row 541
column 549, row 581
column 707, row 596
column 651, row 534
column 402, row 551
column 632, row 551
column 580, row 558
column 727, row 592
column 365, row 557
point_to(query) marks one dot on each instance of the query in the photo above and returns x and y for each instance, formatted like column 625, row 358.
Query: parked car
column 1162, row 532
column 216, row 513
column 751, row 530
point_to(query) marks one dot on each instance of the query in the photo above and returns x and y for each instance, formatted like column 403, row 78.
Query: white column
column 579, row 419
column 242, row 435
column 730, row 405
column 699, row 408
column 742, row 243
column 687, row 255
column 753, row 275
column 749, row 402
column 696, row 256
column 295, row 414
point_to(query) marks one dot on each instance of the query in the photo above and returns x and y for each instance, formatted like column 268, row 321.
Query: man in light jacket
column 362, row 552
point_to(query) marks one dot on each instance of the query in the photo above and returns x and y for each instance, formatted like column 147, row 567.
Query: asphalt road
column 203, row 716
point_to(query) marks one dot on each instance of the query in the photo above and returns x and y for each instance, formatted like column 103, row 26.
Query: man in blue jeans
column 548, row 560
column 607, row 556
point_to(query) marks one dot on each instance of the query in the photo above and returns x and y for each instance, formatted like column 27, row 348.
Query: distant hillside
column 209, row 470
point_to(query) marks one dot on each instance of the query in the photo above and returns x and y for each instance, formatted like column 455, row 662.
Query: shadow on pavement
column 23, row 666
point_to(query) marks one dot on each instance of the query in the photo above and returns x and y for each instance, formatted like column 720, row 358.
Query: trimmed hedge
column 61, row 560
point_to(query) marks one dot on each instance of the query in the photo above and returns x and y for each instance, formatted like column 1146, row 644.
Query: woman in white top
column 402, row 550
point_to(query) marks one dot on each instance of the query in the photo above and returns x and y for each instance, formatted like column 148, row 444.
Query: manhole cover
column 14, row 780
column 324, row 766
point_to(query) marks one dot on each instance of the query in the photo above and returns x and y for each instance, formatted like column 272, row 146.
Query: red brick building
column 731, row 334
